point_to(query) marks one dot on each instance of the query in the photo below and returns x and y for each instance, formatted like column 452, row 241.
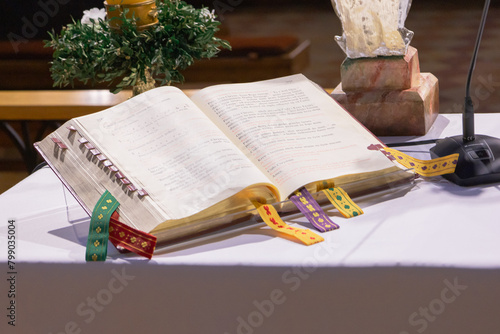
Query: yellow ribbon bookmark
column 346, row 206
column 426, row 168
column 273, row 220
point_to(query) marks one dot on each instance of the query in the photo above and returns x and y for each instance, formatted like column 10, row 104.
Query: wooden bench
column 26, row 116
column 251, row 59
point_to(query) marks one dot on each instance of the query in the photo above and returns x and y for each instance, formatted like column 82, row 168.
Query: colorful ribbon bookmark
column 138, row 242
column 426, row 168
column 346, row 206
column 304, row 201
column 97, row 242
column 273, row 220
column 104, row 225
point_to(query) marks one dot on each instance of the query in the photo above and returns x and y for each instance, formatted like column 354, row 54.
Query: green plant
column 95, row 53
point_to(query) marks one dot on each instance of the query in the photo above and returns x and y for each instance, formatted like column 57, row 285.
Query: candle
column 144, row 12
column 123, row 2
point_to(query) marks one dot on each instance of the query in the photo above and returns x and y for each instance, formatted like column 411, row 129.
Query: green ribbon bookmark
column 97, row 242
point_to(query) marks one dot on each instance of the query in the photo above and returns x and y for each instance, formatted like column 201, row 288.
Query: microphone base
column 478, row 162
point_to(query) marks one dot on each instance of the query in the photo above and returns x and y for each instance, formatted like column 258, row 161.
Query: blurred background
column 270, row 39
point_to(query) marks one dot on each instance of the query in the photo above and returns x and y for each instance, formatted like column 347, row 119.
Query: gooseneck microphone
column 479, row 155
column 468, row 115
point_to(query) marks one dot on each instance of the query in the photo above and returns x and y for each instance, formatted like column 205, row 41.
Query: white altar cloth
column 423, row 260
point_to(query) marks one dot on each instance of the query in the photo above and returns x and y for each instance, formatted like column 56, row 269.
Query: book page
column 292, row 130
column 163, row 143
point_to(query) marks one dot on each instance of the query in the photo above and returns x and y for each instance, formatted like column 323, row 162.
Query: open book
column 174, row 162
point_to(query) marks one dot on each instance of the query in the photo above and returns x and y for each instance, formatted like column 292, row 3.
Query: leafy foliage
column 96, row 53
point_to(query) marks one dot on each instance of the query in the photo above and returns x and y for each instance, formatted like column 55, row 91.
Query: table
column 50, row 107
column 425, row 260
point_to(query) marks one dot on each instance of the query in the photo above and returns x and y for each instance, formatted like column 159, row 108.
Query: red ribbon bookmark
column 133, row 240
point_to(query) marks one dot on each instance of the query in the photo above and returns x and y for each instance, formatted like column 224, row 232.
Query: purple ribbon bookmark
column 312, row 211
